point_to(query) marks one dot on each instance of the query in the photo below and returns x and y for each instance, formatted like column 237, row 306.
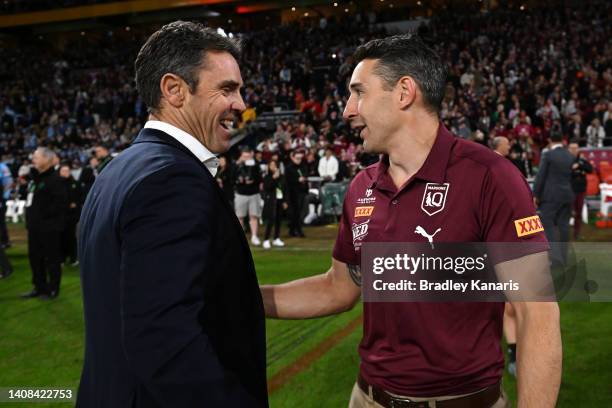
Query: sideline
column 287, row 373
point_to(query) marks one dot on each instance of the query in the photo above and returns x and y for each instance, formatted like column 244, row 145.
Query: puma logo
column 419, row 230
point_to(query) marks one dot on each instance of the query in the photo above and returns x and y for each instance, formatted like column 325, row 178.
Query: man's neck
column 409, row 149
column 43, row 171
column 172, row 119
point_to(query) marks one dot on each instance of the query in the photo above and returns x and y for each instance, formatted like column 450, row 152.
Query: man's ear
column 173, row 89
column 407, row 88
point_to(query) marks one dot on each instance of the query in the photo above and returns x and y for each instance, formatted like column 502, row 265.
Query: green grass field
column 41, row 343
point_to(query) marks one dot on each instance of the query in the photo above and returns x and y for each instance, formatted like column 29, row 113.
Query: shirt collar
column 556, row 146
column 198, row 149
column 434, row 167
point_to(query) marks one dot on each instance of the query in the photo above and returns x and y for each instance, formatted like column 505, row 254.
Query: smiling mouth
column 359, row 129
column 227, row 124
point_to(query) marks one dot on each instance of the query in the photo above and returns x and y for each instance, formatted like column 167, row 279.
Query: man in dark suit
column 297, row 188
column 45, row 214
column 173, row 314
column 554, row 196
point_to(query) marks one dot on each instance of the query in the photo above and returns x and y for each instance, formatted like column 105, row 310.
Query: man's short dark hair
column 556, row 137
column 178, row 48
column 407, row 54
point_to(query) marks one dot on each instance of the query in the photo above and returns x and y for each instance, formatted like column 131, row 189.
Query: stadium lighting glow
column 306, row 14
column 346, row 10
column 334, row 56
column 419, row 3
column 522, row 8
column 221, row 31
column 127, row 28
column 82, row 32
column 292, row 8
column 229, row 21
column 335, row 4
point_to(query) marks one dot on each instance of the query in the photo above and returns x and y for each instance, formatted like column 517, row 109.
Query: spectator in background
column 463, row 130
column 580, row 168
column 247, row 199
column 6, row 180
column 595, row 134
column 103, row 157
column 249, row 115
column 311, row 164
column 225, row 179
column 554, row 196
column 297, row 188
column 45, row 212
column 576, row 130
column 274, row 203
column 24, row 169
column 607, row 121
column 328, row 165
column 88, row 176
column 501, row 146
column 518, row 157
column 74, row 194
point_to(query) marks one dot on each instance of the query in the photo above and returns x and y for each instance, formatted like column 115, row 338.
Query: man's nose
column 350, row 110
column 239, row 104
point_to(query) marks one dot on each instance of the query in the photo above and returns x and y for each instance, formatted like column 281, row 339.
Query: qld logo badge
column 434, row 198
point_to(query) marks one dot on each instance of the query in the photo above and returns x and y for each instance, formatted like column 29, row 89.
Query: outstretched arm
column 333, row 292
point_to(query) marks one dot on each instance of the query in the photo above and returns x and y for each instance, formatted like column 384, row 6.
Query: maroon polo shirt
column 473, row 195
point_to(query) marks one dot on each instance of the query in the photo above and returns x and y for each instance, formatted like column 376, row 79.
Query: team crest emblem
column 434, row 198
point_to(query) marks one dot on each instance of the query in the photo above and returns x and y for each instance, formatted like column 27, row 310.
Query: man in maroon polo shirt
column 429, row 187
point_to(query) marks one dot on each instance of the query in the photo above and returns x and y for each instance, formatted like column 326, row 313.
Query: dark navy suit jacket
column 553, row 182
column 173, row 313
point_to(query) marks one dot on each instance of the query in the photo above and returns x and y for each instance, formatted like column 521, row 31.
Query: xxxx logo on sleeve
column 528, row 226
column 364, row 211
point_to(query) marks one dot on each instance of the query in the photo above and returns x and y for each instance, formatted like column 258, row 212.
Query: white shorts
column 250, row 204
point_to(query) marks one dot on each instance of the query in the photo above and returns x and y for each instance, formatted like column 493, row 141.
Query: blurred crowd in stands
column 521, row 75
column 24, row 6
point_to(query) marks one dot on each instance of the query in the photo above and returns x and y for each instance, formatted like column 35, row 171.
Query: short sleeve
column 344, row 251
column 508, row 214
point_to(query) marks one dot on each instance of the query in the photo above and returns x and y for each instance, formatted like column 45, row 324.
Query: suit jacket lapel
column 148, row 135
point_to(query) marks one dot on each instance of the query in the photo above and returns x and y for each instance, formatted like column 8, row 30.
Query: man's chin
column 221, row 145
column 370, row 148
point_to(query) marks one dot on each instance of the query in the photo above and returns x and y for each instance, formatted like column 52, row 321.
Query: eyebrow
column 230, row 84
column 356, row 86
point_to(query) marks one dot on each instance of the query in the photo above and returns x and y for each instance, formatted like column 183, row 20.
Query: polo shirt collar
column 434, row 167
column 190, row 142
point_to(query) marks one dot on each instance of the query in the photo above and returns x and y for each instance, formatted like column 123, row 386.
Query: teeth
column 227, row 123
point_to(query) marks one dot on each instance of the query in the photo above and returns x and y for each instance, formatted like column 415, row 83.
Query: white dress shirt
column 198, row 149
